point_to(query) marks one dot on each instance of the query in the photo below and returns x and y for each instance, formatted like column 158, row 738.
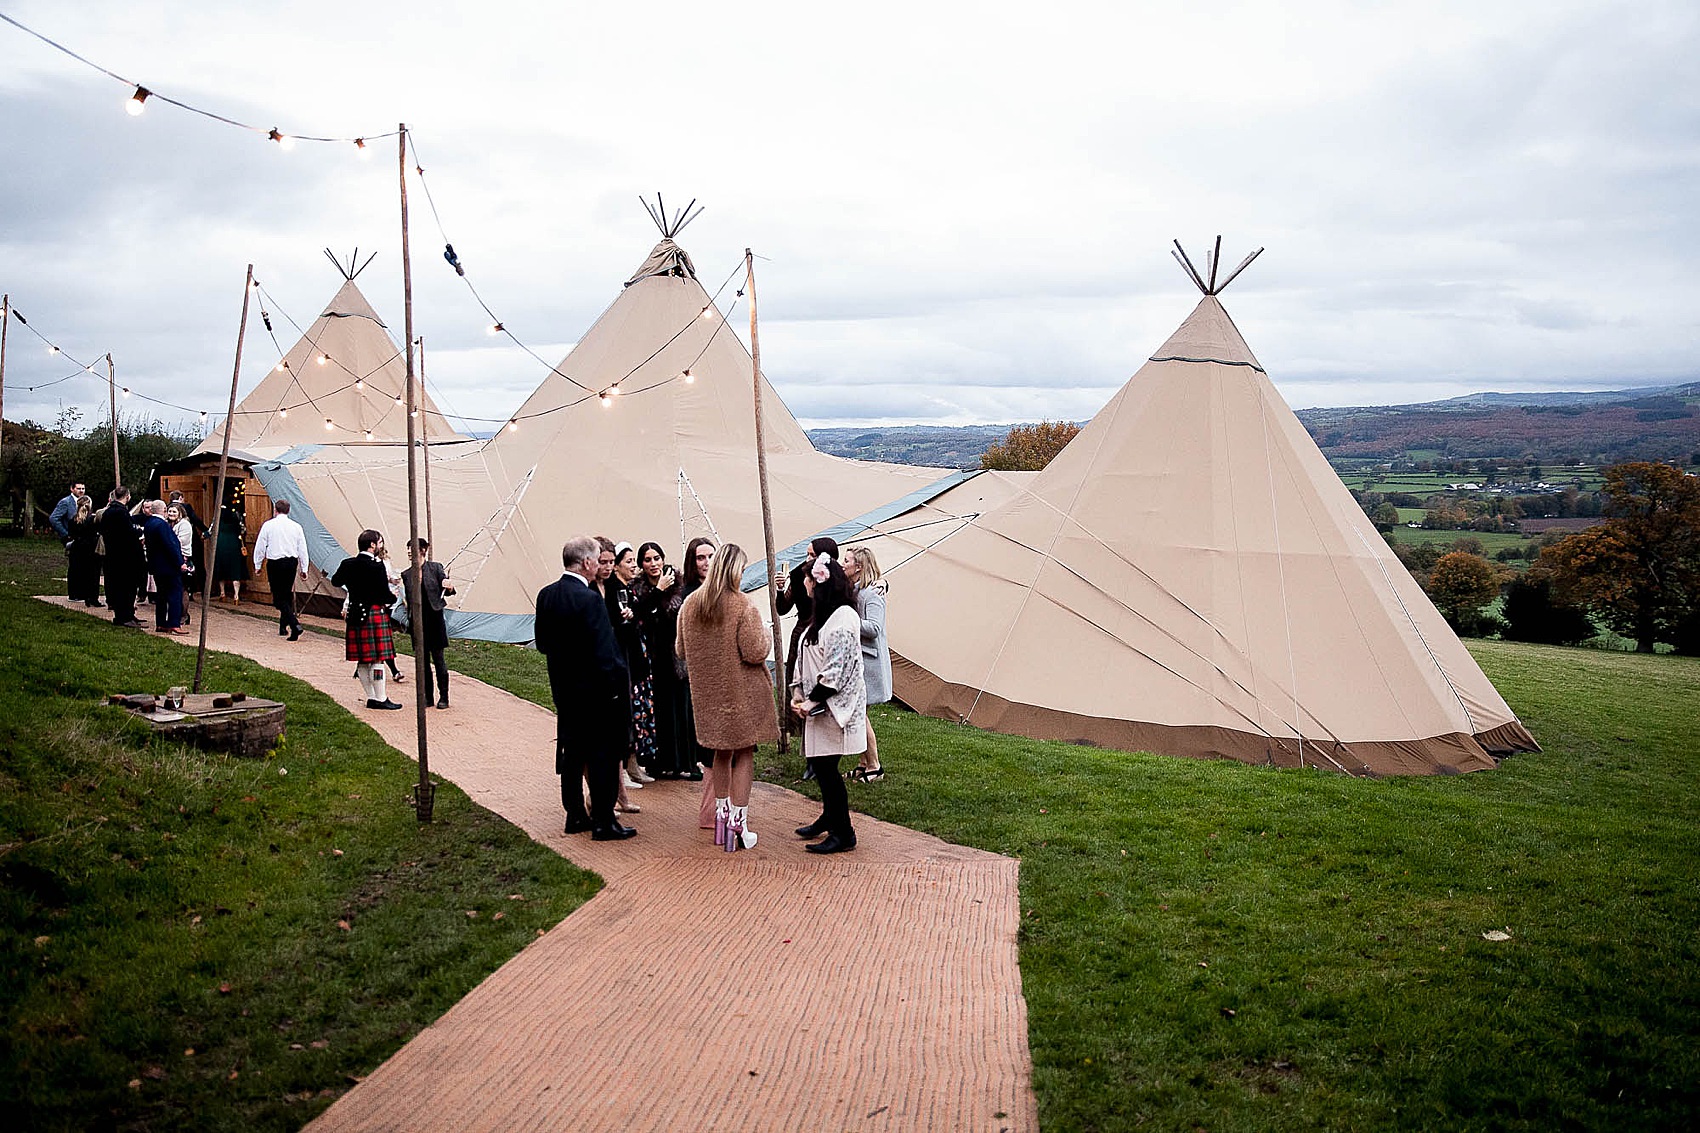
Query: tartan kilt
column 371, row 640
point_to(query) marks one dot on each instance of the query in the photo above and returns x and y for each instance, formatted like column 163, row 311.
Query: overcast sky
column 965, row 210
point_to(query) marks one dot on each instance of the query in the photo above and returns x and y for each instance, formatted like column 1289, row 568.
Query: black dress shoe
column 613, row 832
column 813, row 830
column 295, row 634
column 443, row 703
column 833, row 844
column 577, row 825
column 385, row 704
column 94, row 605
column 282, row 631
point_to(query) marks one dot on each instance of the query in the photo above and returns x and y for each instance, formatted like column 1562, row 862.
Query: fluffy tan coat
column 731, row 692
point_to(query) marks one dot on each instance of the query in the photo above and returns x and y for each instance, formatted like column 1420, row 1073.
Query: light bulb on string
column 282, row 366
column 283, row 413
column 323, row 358
column 360, row 383
column 134, row 106
column 495, row 328
column 284, row 141
column 414, row 414
column 328, row 425
column 607, row 398
column 360, row 147
column 126, row 391
column 398, row 399
column 709, row 311
column 513, row 425
column 689, row 377
column 368, row 434
column 51, row 349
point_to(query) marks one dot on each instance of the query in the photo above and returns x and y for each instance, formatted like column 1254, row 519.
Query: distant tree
column 1461, row 584
column 1385, row 517
column 1532, row 613
column 1639, row 571
column 1029, row 448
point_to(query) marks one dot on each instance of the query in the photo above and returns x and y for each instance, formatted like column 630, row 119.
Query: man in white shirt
column 281, row 551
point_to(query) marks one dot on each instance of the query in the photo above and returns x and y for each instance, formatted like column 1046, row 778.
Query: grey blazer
column 876, row 657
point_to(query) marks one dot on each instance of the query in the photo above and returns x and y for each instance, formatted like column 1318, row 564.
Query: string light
column 283, row 414
column 284, row 141
column 52, row 349
column 513, row 425
column 282, row 366
column 203, row 416
column 709, row 311
column 496, row 328
column 689, row 377
column 134, row 106
column 607, row 399
column 360, row 145
column 323, row 358
column 398, row 400
column 328, row 425
column 368, row 434
column 126, row 391
column 360, row 383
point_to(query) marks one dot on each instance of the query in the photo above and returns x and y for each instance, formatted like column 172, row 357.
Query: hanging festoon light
column 360, row 384
column 135, row 105
column 495, row 328
column 283, row 140
column 328, row 425
column 368, row 434
column 689, row 377
column 323, row 358
column 361, row 148
column 282, row 366
column 126, row 391
column 709, row 311
column 398, row 400
column 283, row 413
column 513, row 425
column 52, row 349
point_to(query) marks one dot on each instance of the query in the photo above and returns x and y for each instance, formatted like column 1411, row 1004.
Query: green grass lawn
column 1491, row 540
column 1203, row 945
column 195, row 941
column 1208, row 945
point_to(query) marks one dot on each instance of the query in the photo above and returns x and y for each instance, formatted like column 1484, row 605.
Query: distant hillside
column 1631, row 425
column 1593, row 428
column 940, row 446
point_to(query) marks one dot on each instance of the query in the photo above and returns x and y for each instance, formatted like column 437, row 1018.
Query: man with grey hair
column 166, row 563
column 587, row 678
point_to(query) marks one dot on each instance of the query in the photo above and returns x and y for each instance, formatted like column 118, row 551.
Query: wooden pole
column 210, row 560
column 425, row 440
column 5, row 323
column 423, row 797
column 781, row 701
column 112, row 398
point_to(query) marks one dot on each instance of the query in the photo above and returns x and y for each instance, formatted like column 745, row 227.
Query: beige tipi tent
column 645, row 431
column 1189, row 577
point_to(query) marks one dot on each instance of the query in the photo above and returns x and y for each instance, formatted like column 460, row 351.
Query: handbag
column 100, row 545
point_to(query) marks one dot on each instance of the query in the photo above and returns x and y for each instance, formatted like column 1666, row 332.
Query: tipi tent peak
column 670, row 227
column 1206, row 281
column 354, row 266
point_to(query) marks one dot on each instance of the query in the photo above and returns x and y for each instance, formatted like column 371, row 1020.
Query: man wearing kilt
column 370, row 641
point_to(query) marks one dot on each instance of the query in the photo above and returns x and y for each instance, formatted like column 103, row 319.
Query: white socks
column 372, row 679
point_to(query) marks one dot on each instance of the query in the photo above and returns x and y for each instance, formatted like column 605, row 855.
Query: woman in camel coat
column 725, row 648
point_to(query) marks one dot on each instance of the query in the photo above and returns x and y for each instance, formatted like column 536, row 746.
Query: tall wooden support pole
column 781, row 700
column 424, row 794
column 112, row 398
column 425, row 442
column 211, row 558
column 5, row 323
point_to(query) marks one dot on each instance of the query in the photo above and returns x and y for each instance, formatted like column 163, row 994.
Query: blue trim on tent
column 324, row 551
column 755, row 575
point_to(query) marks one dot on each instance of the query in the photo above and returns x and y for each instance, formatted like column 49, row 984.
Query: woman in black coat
column 623, row 613
column 83, row 581
column 659, row 592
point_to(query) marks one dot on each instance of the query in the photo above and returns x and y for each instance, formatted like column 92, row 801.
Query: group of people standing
column 655, row 676
column 148, row 553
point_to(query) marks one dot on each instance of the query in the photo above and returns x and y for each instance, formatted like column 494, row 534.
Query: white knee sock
column 364, row 672
column 378, row 674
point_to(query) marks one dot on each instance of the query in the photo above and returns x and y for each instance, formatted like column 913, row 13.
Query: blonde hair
column 867, row 565
column 725, row 576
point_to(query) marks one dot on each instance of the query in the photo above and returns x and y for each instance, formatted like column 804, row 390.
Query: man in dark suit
column 124, row 564
column 587, row 678
column 167, row 565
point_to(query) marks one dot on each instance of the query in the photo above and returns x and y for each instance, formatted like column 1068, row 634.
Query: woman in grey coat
column 863, row 570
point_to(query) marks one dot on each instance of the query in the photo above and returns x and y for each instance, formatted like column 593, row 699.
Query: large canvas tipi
column 646, row 430
column 1189, row 577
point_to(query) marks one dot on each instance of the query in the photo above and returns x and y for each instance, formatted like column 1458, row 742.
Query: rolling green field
column 1491, row 540
column 1203, row 945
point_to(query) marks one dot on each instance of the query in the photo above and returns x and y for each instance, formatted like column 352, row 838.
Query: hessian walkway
column 699, row 990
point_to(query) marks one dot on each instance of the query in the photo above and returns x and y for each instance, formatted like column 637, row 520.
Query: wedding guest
column 281, row 551
column 658, row 594
column 185, row 532
column 863, row 571
column 369, row 640
column 60, row 520
column 123, row 561
column 622, row 614
column 433, row 582
column 166, row 566
column 83, row 576
column 230, row 564
column 828, row 697
column 725, row 646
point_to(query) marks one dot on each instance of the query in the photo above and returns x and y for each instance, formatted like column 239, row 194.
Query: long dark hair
column 692, row 581
column 830, row 595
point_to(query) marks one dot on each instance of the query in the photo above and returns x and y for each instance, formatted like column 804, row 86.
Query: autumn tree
column 1639, row 571
column 1461, row 584
column 1029, row 448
